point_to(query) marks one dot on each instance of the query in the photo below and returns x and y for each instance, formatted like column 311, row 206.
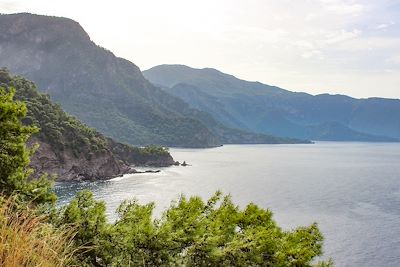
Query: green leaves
column 14, row 155
column 190, row 232
column 88, row 217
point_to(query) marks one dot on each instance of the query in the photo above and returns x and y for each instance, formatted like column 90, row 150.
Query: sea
column 351, row 189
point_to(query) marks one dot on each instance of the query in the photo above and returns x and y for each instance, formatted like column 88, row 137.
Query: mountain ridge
column 104, row 91
column 270, row 109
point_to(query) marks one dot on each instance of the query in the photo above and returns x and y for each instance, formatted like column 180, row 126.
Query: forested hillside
column 69, row 148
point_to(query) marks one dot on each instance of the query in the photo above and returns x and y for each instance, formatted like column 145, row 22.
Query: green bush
column 190, row 232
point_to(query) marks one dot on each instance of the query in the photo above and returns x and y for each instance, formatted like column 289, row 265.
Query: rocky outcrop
column 67, row 166
column 117, row 160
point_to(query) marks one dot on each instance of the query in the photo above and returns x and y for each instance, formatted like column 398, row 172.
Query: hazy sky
column 337, row 46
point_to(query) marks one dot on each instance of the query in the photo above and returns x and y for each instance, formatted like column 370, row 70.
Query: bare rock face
column 68, row 167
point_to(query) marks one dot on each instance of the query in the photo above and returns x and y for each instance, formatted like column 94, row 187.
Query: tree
column 14, row 154
column 89, row 218
column 191, row 232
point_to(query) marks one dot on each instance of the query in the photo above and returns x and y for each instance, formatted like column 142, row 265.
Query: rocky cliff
column 67, row 166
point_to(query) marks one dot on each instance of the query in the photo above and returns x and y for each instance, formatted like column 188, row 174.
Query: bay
column 352, row 190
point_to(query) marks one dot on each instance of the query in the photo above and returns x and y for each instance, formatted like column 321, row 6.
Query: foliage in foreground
column 190, row 232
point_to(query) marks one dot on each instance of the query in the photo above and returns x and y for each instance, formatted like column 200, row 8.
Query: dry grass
column 26, row 240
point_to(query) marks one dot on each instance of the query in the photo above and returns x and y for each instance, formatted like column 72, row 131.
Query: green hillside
column 69, row 148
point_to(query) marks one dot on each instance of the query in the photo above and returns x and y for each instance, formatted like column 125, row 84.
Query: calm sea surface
column 351, row 189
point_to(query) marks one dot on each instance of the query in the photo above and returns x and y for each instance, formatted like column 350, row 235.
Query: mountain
column 91, row 83
column 106, row 92
column 70, row 149
column 257, row 107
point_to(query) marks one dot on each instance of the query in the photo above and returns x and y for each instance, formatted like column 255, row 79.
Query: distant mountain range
column 107, row 92
column 261, row 108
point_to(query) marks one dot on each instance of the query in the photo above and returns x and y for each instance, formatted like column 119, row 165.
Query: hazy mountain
column 258, row 107
column 104, row 91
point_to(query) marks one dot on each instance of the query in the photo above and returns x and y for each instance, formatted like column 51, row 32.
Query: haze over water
column 351, row 189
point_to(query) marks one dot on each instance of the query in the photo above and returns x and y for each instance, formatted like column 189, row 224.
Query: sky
column 347, row 47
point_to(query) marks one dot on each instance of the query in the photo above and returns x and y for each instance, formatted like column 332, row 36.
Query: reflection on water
column 351, row 189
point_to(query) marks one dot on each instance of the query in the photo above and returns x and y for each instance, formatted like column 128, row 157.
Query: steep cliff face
column 91, row 83
column 67, row 166
column 70, row 149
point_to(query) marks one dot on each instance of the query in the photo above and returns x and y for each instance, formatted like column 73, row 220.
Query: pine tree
column 14, row 154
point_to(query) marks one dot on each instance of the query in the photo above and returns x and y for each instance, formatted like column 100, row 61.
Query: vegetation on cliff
column 190, row 232
column 71, row 140
column 57, row 128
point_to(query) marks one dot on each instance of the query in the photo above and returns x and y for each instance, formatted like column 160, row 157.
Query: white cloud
column 394, row 60
column 340, row 36
column 354, row 9
column 343, row 7
column 8, row 6
column 303, row 44
column 384, row 44
column 384, row 25
column 313, row 54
